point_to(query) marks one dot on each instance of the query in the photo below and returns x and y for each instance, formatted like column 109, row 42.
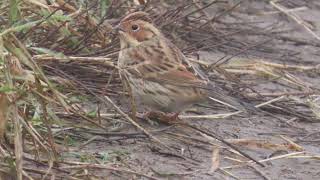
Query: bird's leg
column 162, row 117
column 150, row 115
column 174, row 116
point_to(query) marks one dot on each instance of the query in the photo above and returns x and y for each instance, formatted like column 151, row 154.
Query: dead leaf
column 264, row 144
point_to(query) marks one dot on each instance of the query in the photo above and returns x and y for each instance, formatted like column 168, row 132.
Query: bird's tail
column 217, row 94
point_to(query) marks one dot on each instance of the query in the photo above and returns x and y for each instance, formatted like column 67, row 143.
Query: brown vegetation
column 71, row 117
column 3, row 114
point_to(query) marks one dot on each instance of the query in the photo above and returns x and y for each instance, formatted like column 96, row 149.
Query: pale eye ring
column 135, row 27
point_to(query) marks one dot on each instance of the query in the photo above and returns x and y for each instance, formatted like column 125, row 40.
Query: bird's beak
column 116, row 30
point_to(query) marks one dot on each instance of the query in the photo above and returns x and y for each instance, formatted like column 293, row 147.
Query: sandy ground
column 192, row 158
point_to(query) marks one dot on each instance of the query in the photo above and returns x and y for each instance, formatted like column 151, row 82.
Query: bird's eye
column 135, row 27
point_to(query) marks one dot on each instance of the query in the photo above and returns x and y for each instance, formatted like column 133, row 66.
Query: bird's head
column 136, row 28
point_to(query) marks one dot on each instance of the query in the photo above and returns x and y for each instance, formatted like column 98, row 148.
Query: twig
column 225, row 115
column 265, row 160
column 79, row 165
column 18, row 148
column 42, row 172
column 270, row 101
column 27, row 175
column 294, row 17
column 102, row 60
column 303, row 8
column 264, row 176
column 211, row 134
column 229, row 174
column 277, row 94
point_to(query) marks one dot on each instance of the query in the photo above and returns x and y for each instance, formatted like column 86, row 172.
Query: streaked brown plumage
column 158, row 73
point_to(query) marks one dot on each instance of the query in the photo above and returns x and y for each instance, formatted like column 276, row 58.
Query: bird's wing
column 172, row 67
column 169, row 73
column 183, row 60
column 166, row 64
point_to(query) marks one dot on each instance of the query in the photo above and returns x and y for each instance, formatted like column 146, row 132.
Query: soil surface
column 266, row 136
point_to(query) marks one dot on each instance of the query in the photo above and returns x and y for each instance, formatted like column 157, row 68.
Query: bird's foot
column 169, row 118
column 149, row 116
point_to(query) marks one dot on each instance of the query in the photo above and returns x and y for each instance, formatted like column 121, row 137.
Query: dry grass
column 69, row 55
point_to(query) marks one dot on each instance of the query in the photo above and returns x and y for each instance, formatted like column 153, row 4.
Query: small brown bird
column 158, row 73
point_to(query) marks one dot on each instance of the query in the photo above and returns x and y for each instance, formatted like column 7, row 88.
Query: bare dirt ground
column 192, row 159
column 273, row 57
column 289, row 44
